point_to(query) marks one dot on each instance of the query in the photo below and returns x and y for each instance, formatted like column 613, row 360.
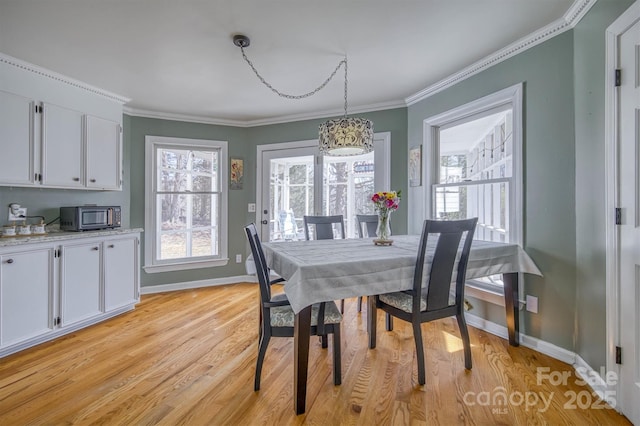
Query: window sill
column 488, row 293
column 182, row 266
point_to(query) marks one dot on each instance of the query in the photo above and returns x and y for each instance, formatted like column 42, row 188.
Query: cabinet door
column 103, row 153
column 80, row 282
column 62, row 151
column 26, row 295
column 120, row 273
column 16, row 139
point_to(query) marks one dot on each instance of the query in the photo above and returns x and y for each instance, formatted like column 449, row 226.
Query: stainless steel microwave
column 86, row 218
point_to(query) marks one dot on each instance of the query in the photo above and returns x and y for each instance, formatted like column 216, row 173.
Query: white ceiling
column 177, row 57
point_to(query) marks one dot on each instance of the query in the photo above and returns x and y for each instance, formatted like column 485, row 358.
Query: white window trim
column 431, row 128
column 150, row 206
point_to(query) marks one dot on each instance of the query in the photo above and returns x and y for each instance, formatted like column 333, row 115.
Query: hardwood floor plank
column 188, row 358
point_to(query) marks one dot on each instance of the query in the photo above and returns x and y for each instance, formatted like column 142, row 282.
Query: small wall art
column 415, row 166
column 236, row 173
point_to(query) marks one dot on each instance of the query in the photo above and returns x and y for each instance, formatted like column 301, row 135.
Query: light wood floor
column 188, row 357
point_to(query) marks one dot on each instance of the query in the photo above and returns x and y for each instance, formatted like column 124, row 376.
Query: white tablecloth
column 324, row 270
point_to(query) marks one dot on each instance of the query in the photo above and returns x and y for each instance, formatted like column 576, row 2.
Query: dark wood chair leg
column 325, row 341
column 464, row 333
column 372, row 312
column 337, row 357
column 417, row 336
column 388, row 321
column 262, row 349
column 359, row 303
column 342, row 306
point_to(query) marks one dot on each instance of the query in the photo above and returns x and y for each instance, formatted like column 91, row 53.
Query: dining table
column 325, row 270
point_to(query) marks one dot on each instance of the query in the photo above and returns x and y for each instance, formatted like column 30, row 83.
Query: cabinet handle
column 95, row 248
column 92, row 180
column 76, row 179
column 10, row 261
column 111, row 246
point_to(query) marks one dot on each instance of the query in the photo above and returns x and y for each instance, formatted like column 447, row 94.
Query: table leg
column 512, row 305
column 372, row 316
column 301, row 334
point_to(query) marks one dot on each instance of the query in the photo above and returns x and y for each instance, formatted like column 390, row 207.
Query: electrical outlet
column 17, row 213
column 252, row 207
column 238, row 258
column 532, row 304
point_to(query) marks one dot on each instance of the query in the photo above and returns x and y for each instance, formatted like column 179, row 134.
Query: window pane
column 173, row 213
column 203, row 243
column 173, row 245
column 478, row 149
column 298, row 173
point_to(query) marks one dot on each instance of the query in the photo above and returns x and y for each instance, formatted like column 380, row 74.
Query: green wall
column 589, row 70
column 242, row 144
column 549, row 175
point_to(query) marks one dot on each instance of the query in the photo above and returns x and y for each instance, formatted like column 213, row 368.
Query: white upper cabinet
column 16, row 139
column 56, row 132
column 103, row 153
column 62, row 147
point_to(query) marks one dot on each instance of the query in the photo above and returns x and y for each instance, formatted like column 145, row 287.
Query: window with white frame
column 477, row 166
column 186, row 204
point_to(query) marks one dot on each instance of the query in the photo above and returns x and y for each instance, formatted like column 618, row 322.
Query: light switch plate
column 252, row 208
column 532, row 304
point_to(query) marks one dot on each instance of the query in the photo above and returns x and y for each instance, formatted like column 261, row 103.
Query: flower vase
column 384, row 225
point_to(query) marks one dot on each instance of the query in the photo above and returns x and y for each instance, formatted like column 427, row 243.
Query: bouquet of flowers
column 384, row 203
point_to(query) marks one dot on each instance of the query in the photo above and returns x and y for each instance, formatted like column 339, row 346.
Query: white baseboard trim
column 595, row 380
column 530, row 342
column 197, row 284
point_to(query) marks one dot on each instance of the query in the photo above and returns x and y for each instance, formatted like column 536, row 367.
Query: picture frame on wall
column 236, row 173
column 415, row 166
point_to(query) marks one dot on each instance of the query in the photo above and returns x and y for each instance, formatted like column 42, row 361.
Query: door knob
column 265, row 221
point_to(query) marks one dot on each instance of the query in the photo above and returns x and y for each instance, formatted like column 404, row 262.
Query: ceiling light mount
column 241, row 40
column 344, row 136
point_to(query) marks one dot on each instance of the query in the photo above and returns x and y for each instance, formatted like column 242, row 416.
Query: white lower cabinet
column 26, row 295
column 50, row 289
column 80, row 278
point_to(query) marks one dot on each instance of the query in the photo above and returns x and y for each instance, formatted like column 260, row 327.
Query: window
column 186, row 204
column 476, row 169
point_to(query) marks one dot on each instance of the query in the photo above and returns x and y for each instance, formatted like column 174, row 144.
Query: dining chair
column 323, row 227
column 438, row 285
column 369, row 222
column 277, row 317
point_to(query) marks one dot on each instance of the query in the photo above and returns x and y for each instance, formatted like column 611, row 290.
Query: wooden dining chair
column 323, row 227
column 277, row 318
column 438, row 298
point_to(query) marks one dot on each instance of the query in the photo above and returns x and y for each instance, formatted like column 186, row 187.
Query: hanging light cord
column 305, row 95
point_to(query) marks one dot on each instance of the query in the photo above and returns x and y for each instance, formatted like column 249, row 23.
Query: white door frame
column 382, row 144
column 613, row 33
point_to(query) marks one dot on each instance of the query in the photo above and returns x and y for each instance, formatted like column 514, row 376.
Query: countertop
column 54, row 234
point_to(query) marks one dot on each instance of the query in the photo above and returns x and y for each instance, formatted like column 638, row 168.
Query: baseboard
column 541, row 346
column 595, row 380
column 197, row 284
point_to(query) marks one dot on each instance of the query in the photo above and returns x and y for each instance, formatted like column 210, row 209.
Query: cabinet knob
column 95, row 248
column 9, row 260
column 76, row 179
column 111, row 246
column 92, row 180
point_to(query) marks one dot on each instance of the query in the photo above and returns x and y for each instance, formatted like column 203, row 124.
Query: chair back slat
column 443, row 272
column 323, row 226
column 262, row 270
column 369, row 222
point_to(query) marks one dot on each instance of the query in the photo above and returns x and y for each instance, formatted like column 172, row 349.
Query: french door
column 294, row 180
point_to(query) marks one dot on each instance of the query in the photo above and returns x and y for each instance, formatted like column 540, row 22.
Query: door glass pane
column 290, row 195
column 348, row 184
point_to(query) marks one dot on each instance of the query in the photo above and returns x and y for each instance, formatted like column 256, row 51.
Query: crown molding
column 26, row 66
column 262, row 122
column 576, row 12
